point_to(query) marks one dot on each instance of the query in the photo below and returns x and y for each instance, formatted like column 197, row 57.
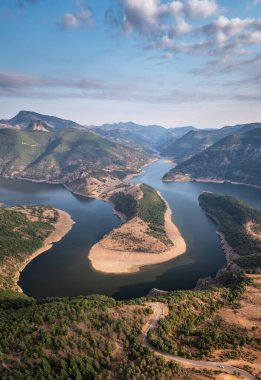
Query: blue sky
column 181, row 62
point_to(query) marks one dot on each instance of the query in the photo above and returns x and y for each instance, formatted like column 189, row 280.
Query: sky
column 167, row 62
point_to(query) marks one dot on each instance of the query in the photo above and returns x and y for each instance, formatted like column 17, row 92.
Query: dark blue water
column 64, row 270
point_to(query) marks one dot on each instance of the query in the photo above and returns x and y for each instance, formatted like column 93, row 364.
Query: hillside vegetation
column 97, row 337
column 235, row 158
column 83, row 338
column 233, row 217
column 22, row 231
column 180, row 333
column 209, row 323
column 64, row 156
column 151, row 209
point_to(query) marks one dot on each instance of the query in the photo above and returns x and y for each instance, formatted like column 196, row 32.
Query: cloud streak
column 22, row 85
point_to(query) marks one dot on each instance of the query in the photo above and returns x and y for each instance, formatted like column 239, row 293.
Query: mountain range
column 48, row 148
column 235, row 158
column 148, row 136
column 196, row 141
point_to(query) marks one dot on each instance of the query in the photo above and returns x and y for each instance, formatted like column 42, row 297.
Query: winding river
column 64, row 270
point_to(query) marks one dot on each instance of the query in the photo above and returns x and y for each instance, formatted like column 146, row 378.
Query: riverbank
column 120, row 261
column 188, row 178
column 62, row 227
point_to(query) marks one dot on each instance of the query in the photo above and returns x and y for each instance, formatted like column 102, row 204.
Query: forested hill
column 241, row 226
column 236, row 158
column 64, row 156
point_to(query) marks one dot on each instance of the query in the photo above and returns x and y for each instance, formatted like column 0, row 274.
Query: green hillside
column 63, row 156
column 235, row 158
column 233, row 217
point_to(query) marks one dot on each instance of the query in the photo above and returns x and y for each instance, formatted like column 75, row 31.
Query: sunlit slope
column 63, row 155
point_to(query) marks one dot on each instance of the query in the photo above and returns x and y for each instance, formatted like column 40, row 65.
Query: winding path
column 159, row 309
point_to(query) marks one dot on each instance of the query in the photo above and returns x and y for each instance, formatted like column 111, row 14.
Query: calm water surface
column 64, row 270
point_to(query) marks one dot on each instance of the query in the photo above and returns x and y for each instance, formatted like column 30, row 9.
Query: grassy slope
column 235, row 158
column 151, row 208
column 57, row 155
column 20, row 237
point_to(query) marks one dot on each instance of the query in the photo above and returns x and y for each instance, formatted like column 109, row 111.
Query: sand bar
column 119, row 262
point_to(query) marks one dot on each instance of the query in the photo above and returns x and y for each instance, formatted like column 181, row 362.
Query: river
column 64, row 270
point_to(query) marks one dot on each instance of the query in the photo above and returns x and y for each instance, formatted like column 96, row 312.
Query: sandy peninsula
column 62, row 227
column 116, row 261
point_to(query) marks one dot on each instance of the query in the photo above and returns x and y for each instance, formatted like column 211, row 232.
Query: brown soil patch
column 251, row 230
column 246, row 316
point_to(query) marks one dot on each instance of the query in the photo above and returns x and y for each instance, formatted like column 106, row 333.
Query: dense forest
column 234, row 217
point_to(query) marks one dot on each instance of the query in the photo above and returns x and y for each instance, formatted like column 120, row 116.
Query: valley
column 156, row 239
column 130, row 190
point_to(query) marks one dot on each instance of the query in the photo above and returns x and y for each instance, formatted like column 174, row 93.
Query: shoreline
column 62, row 227
column 230, row 256
column 111, row 261
column 129, row 177
column 209, row 180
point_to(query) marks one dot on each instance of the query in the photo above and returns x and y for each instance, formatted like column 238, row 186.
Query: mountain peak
column 23, row 119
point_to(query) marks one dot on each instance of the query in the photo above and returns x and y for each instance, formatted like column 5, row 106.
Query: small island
column 26, row 232
column 147, row 237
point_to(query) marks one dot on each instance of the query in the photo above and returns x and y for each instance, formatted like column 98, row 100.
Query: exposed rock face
column 157, row 292
column 39, row 125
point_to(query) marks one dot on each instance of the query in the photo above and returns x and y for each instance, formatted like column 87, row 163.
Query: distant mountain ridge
column 23, row 119
column 235, row 158
column 196, row 141
column 148, row 136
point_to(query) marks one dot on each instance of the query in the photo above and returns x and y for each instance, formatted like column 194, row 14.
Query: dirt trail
column 160, row 310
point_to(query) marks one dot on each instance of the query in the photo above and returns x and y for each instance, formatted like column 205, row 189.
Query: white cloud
column 173, row 27
column 78, row 19
column 200, row 8
column 154, row 15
